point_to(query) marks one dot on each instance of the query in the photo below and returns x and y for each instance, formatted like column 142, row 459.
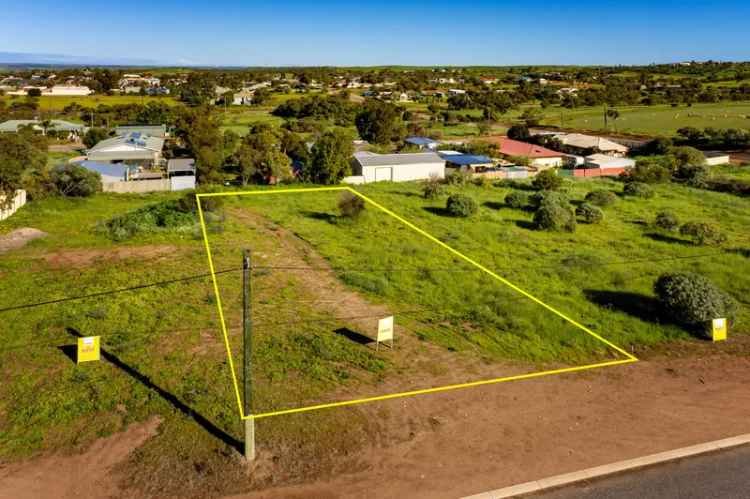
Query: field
column 655, row 120
column 320, row 284
column 58, row 103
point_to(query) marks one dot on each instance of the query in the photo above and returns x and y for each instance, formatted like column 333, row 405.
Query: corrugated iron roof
column 404, row 159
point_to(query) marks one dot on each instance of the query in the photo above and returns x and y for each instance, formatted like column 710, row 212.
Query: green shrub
column 692, row 299
column 667, row 220
column 458, row 178
column 517, row 199
column 703, row 233
column 638, row 189
column 547, row 180
column 590, row 213
column 538, row 198
column 433, row 188
column 75, row 180
column 168, row 215
column 187, row 203
column 650, row 171
column 351, row 206
column 601, row 197
column 693, row 175
column 482, row 182
column 461, row 205
column 555, row 216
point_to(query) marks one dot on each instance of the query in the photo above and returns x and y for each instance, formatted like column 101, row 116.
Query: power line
column 115, row 291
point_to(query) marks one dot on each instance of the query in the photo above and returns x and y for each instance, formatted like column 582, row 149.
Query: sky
column 406, row 32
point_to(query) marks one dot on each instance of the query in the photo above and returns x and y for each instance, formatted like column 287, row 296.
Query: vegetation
column 517, row 199
column 703, row 233
column 601, row 197
column 667, row 220
column 554, row 216
column 638, row 189
column 692, row 299
column 351, row 206
column 461, row 205
column 547, row 180
column 75, row 180
column 432, row 188
column 591, row 214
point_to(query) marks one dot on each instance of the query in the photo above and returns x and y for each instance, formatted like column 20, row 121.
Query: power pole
column 247, row 347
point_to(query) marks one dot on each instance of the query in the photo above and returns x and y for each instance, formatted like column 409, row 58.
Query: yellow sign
column 385, row 331
column 719, row 329
column 88, row 349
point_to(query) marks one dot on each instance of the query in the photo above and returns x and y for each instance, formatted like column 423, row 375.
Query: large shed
column 373, row 167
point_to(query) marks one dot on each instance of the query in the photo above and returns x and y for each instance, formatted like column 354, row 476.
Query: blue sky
column 408, row 32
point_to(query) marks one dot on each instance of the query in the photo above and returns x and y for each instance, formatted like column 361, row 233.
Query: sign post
column 88, row 349
column 385, row 332
column 719, row 329
column 247, row 346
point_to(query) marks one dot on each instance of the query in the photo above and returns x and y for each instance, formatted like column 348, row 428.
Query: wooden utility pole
column 247, row 347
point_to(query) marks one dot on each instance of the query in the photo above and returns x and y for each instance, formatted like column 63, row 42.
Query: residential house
column 587, row 143
column 539, row 157
column 134, row 148
column 716, row 158
column 159, row 131
column 422, row 142
column 74, row 130
column 370, row 167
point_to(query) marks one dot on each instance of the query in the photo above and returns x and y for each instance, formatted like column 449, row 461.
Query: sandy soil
column 77, row 476
column 486, row 438
column 19, row 238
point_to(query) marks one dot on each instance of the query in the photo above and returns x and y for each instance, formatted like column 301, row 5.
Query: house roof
column 510, row 147
column 57, row 125
column 420, row 141
column 153, row 130
column 605, row 161
column 405, row 159
column 135, row 145
column 590, row 142
column 467, row 159
column 181, row 165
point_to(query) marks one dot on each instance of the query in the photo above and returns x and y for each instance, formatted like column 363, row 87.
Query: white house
column 587, row 142
column 57, row 90
column 716, row 158
column 371, row 167
column 605, row 162
column 133, row 148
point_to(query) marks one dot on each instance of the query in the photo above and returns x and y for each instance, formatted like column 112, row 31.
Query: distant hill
column 26, row 59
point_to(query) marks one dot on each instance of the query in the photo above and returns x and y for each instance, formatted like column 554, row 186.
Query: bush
column 433, row 188
column 461, row 205
column 547, row 180
column 692, row 299
column 517, row 200
column 638, row 189
column 590, row 213
column 537, row 199
column 75, row 181
column 483, row 182
column 703, row 233
column 667, row 220
column 693, row 175
column 650, row 171
column 351, row 206
column 169, row 215
column 686, row 155
column 601, row 197
column 187, row 203
column 553, row 214
column 457, row 177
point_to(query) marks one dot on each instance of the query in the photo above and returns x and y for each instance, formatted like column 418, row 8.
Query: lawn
column 58, row 103
column 655, row 120
column 458, row 323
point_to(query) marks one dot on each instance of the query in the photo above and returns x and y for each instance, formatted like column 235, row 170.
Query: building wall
column 717, row 160
column 404, row 173
column 182, row 182
column 18, row 201
column 546, row 162
column 137, row 186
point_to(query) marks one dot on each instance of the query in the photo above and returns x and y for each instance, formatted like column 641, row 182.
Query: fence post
column 247, row 348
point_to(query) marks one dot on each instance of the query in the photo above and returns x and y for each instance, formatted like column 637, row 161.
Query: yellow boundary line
column 629, row 357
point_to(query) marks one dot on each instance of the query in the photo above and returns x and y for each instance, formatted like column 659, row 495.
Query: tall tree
column 198, row 128
column 20, row 153
column 381, row 123
column 330, row 158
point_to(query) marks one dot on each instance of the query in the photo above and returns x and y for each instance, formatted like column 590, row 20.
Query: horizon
column 412, row 33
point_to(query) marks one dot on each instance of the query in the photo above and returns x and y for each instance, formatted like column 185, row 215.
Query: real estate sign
column 719, row 329
column 385, row 330
column 88, row 349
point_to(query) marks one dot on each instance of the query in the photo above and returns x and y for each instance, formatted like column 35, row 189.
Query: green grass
column 169, row 333
column 57, row 103
column 656, row 120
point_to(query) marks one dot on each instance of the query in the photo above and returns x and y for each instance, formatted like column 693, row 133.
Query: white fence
column 155, row 185
column 18, row 200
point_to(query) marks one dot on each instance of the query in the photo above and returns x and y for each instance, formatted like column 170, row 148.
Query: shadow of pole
column 168, row 397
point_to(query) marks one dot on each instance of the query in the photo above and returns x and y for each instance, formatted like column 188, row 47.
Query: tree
column 34, row 92
column 381, row 123
column 75, row 181
column 198, row 90
column 155, row 113
column 555, row 217
column 199, row 131
column 591, row 214
column 329, row 158
column 93, row 136
column 260, row 157
column 20, row 153
column 601, row 197
column 519, row 132
column 517, row 199
column 613, row 114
